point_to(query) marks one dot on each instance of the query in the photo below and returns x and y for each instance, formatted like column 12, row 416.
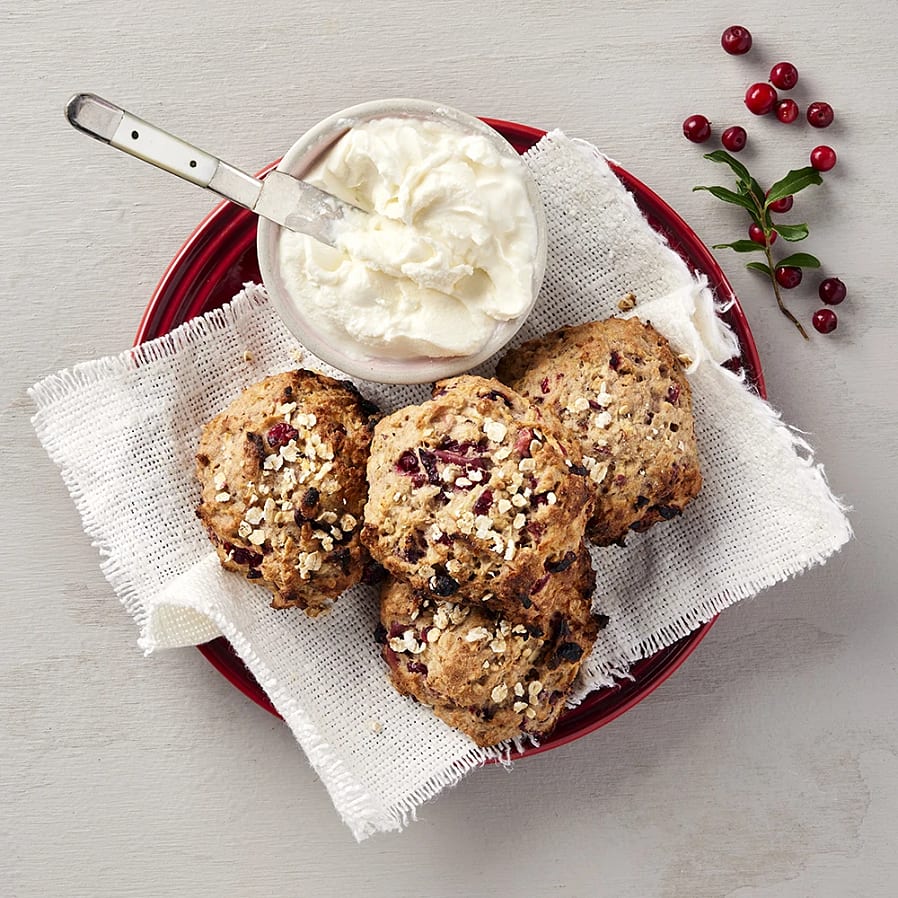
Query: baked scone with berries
column 618, row 389
column 282, row 471
column 474, row 497
column 489, row 677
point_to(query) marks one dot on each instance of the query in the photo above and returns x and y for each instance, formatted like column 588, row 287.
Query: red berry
column 787, row 111
column 736, row 40
column 820, row 115
column 242, row 556
column 788, row 276
column 407, row 463
column 756, row 233
column 697, row 129
column 783, row 205
column 825, row 320
column 784, row 75
column 823, row 158
column 484, row 502
column 760, row 98
column 281, row 434
column 832, row 291
column 733, row 139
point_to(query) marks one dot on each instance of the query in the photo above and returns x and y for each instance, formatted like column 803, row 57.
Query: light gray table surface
column 765, row 768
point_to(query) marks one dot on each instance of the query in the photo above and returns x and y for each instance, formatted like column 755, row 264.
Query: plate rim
column 219, row 653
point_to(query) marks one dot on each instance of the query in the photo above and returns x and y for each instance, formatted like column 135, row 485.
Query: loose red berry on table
column 784, row 75
column 820, row 115
column 733, row 139
column 823, row 158
column 825, row 321
column 787, row 111
column 696, row 128
column 760, row 98
column 788, row 276
column 756, row 233
column 736, row 40
column 832, row 291
column 783, row 205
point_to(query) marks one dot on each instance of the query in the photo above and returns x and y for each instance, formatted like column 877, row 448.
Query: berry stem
column 771, row 268
column 776, row 293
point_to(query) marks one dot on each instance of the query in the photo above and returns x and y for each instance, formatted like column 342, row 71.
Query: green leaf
column 741, row 246
column 758, row 266
column 729, row 196
column 796, row 180
column 748, row 186
column 800, row 260
column 792, row 233
column 738, row 168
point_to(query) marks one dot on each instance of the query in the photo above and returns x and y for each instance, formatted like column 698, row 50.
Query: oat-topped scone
column 282, row 471
column 619, row 388
column 481, row 673
column 472, row 496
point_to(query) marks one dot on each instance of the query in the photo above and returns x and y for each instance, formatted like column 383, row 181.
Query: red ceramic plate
column 220, row 256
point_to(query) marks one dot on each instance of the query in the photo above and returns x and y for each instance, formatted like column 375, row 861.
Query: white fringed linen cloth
column 124, row 431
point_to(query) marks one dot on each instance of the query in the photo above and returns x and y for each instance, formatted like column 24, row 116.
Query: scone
column 282, row 471
column 488, row 677
column 472, row 496
column 619, row 389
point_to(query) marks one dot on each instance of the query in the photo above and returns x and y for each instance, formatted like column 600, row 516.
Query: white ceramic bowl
column 299, row 159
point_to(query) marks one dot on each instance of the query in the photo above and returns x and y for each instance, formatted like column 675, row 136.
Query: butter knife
column 280, row 197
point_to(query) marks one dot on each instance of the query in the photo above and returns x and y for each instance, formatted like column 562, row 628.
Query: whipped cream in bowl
column 443, row 262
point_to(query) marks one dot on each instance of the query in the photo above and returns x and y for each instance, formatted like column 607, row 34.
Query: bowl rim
column 305, row 152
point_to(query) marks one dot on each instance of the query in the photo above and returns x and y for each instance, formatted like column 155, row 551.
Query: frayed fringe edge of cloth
column 597, row 675
column 60, row 386
column 359, row 809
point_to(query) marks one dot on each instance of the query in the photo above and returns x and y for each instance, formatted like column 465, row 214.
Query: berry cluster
column 762, row 98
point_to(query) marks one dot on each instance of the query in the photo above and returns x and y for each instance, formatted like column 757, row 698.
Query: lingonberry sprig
column 761, row 99
column 785, row 272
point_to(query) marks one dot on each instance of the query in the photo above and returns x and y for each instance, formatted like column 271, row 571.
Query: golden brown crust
column 472, row 492
column 282, row 471
column 482, row 674
column 620, row 390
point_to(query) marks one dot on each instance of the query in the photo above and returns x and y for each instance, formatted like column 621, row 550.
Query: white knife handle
column 164, row 150
column 113, row 125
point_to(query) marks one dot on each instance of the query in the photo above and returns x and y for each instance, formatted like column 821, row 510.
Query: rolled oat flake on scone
column 282, row 471
column 618, row 389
